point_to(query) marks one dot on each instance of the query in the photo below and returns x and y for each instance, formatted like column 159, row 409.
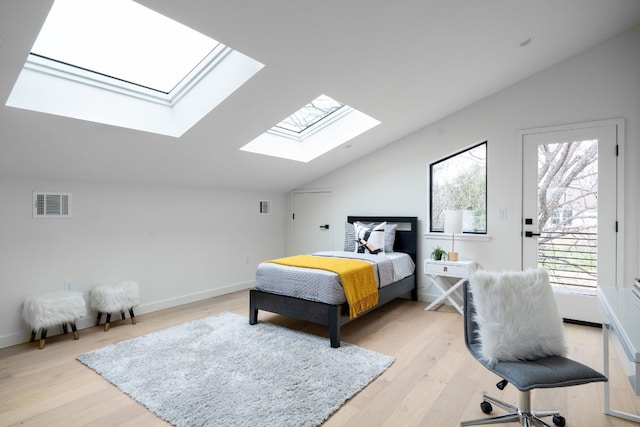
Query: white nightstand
column 437, row 271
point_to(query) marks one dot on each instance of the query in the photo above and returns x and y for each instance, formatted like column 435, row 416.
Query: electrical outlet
column 68, row 285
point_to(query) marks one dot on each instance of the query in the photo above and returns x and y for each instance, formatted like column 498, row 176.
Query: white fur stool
column 52, row 309
column 114, row 299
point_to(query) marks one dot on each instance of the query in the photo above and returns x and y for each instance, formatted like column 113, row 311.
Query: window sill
column 573, row 290
column 459, row 237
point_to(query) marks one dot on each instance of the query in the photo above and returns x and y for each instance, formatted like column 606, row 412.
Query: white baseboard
column 13, row 339
column 90, row 320
column 185, row 299
column 572, row 305
column 428, row 296
column 580, row 306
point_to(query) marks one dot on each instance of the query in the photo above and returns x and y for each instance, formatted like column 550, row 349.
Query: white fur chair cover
column 114, row 298
column 53, row 308
column 517, row 315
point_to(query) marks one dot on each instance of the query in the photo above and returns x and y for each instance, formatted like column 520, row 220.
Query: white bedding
column 320, row 285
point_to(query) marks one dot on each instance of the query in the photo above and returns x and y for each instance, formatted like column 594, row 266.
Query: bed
column 332, row 311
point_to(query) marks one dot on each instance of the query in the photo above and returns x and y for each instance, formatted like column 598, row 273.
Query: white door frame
column 620, row 134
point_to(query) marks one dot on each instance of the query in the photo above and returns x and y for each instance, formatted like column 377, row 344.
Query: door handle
column 326, row 226
column 530, row 234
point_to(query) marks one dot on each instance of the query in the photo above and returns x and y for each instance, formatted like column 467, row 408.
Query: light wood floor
column 434, row 381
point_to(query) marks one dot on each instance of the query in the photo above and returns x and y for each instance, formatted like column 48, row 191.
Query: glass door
column 569, row 211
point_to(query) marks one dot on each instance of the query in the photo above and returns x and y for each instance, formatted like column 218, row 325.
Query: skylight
column 310, row 114
column 320, row 126
column 120, row 63
column 158, row 56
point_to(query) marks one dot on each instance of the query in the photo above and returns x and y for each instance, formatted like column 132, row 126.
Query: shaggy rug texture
column 221, row 371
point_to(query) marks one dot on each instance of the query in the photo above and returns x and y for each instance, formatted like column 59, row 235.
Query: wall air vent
column 265, row 207
column 51, row 205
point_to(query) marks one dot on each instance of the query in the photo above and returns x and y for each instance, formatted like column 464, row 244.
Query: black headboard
column 406, row 232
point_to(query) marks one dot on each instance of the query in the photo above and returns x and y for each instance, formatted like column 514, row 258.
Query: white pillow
column 369, row 238
column 517, row 315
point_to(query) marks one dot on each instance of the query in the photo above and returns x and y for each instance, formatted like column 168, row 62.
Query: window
column 312, row 113
column 457, row 182
column 318, row 127
column 119, row 63
column 81, row 34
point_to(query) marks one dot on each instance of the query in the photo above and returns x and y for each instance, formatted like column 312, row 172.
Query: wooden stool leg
column 107, row 322
column 98, row 319
column 75, row 331
column 133, row 316
column 33, row 335
column 65, row 330
column 122, row 314
column 43, row 339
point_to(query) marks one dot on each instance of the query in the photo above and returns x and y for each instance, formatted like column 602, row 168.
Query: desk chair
column 525, row 375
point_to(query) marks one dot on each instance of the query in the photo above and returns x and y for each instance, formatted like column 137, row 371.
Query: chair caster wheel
column 487, row 408
column 559, row 420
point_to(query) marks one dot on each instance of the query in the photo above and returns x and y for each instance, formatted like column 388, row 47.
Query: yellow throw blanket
column 357, row 277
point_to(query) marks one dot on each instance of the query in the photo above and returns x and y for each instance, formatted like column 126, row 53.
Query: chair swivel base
column 523, row 414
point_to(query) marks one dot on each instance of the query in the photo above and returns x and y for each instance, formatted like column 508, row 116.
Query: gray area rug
column 221, row 371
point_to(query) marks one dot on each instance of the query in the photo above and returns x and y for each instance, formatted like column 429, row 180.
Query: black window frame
column 432, row 229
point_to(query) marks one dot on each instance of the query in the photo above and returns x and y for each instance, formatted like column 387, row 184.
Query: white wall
column 187, row 244
column 180, row 244
column 600, row 83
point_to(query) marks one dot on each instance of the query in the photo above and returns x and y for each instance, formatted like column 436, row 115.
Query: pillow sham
column 349, row 237
column 517, row 315
column 369, row 237
column 389, row 237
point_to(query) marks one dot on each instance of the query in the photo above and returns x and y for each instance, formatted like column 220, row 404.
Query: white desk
column 438, row 271
column 622, row 325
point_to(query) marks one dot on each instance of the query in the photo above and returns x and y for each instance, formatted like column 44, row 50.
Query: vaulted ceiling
column 405, row 63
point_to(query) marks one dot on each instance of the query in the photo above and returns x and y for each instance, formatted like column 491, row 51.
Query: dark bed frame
column 332, row 315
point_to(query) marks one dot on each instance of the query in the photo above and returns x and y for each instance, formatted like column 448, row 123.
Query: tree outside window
column 457, row 182
column 568, row 212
